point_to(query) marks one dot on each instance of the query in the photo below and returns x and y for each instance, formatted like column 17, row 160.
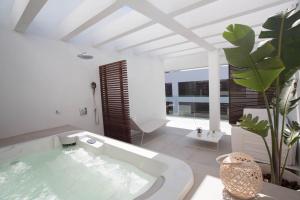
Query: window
column 169, row 108
column 224, row 110
column 192, row 109
column 224, row 87
column 193, row 88
column 168, row 88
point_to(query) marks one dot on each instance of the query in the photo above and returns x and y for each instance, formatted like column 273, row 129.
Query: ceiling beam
column 215, row 43
column 275, row 3
column 158, row 16
column 231, row 45
column 216, row 34
column 189, row 54
column 220, row 42
column 191, row 7
column 169, row 35
column 170, row 45
column 177, row 51
column 24, row 12
column 145, row 42
column 70, row 29
column 205, row 2
column 123, row 34
column 172, row 14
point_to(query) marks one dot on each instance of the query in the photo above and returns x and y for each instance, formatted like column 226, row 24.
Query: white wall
column 146, row 88
column 39, row 76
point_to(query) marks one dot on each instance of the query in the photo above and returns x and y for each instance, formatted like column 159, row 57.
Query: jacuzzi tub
column 106, row 169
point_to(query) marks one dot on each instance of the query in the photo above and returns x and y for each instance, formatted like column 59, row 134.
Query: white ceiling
column 165, row 28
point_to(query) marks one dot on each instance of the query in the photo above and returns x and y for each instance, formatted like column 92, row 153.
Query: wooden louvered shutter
column 115, row 102
column 241, row 97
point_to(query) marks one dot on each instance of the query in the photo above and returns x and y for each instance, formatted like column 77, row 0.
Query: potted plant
column 272, row 64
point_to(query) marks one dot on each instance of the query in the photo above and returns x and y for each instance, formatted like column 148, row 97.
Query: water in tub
column 71, row 174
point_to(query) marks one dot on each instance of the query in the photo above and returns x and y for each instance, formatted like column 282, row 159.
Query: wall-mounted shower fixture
column 83, row 111
column 96, row 113
column 93, row 86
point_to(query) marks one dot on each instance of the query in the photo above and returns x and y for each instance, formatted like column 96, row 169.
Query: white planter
column 265, row 168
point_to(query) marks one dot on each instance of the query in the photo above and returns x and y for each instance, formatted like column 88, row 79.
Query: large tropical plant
column 272, row 64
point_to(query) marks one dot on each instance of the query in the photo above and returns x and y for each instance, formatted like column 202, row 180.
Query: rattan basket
column 240, row 174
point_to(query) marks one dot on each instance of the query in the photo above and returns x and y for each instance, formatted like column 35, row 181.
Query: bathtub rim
column 178, row 176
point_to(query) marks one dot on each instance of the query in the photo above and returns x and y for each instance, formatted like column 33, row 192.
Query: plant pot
column 265, row 168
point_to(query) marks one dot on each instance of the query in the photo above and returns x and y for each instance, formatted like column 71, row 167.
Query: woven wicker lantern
column 240, row 174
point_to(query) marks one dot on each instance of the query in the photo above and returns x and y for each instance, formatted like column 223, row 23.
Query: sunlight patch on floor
column 192, row 124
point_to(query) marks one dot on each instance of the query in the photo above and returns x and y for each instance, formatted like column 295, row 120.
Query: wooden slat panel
column 240, row 98
column 115, row 100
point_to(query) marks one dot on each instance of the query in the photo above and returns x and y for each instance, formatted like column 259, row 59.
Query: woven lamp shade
column 241, row 175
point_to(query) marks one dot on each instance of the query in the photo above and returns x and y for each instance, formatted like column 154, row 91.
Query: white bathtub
column 174, row 178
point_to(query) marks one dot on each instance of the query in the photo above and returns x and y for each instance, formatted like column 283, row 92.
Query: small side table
column 207, row 136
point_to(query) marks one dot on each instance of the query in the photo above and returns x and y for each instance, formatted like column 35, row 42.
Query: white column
column 175, row 97
column 214, row 90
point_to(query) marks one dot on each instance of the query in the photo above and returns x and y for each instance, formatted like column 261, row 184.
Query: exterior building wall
column 180, row 104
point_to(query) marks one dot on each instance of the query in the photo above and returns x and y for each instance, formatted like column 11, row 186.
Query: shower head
column 85, row 56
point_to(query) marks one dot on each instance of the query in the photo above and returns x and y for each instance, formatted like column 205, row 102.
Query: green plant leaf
column 291, row 133
column 287, row 97
column 256, row 69
column 253, row 125
column 263, row 50
column 283, row 30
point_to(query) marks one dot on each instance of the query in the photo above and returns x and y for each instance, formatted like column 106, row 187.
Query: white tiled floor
column 200, row 156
